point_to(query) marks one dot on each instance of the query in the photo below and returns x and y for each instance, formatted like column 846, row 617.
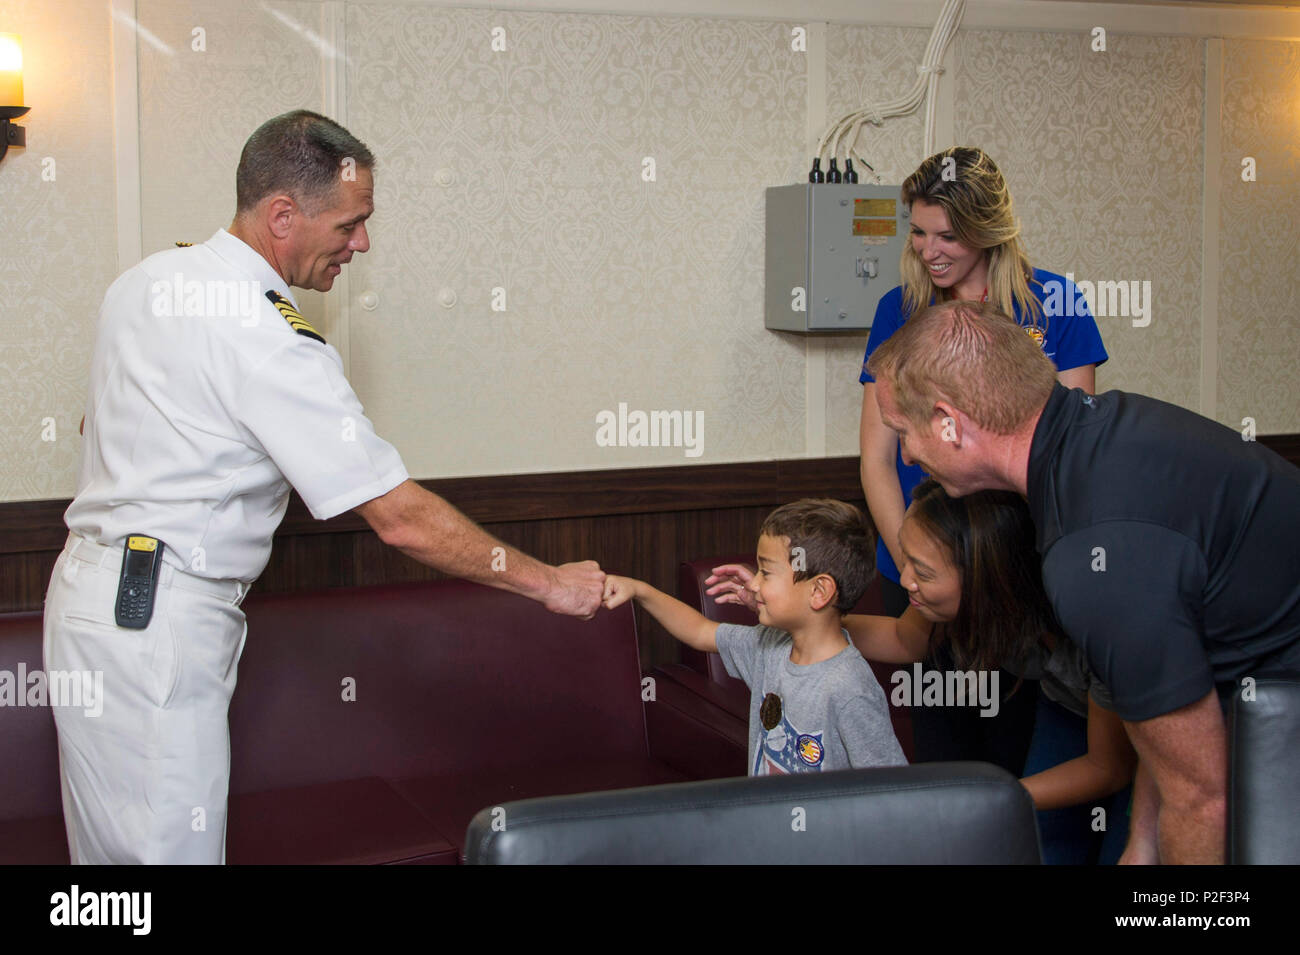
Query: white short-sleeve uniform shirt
column 206, row 405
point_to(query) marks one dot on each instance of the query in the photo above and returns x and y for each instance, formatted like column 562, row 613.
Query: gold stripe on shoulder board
column 183, row 245
column 296, row 321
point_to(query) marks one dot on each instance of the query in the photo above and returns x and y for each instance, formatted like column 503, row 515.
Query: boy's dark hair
column 835, row 538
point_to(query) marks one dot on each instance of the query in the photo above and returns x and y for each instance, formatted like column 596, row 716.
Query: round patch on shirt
column 810, row 749
column 776, row 739
column 1036, row 334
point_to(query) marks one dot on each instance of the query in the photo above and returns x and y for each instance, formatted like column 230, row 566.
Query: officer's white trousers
column 145, row 780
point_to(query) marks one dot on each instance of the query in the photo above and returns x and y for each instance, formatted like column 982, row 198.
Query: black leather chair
column 1264, row 774
column 931, row 813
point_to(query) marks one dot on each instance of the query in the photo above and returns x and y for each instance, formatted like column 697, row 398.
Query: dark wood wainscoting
column 640, row 522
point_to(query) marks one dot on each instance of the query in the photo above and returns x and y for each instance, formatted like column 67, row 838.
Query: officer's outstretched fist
column 577, row 590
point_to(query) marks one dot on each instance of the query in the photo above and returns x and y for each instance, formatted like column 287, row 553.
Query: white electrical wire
column 848, row 127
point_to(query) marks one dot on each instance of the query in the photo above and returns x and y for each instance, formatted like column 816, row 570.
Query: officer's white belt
column 110, row 558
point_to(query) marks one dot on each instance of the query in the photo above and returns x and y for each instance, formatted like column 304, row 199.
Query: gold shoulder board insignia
column 296, row 321
column 183, row 245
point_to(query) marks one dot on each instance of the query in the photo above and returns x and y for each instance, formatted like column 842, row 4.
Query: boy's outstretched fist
column 685, row 623
column 619, row 590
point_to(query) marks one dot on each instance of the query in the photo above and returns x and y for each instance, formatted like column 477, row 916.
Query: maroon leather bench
column 369, row 725
column 31, row 808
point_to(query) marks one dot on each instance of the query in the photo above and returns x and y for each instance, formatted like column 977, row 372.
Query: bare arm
column 422, row 525
column 902, row 639
column 879, row 473
column 1106, row 768
column 1085, row 377
column 1143, row 843
column 685, row 623
column 1186, row 754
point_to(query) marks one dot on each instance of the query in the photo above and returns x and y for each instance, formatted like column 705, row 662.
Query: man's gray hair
column 300, row 154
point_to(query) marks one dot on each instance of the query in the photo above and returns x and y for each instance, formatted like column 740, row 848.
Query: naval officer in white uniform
column 209, row 397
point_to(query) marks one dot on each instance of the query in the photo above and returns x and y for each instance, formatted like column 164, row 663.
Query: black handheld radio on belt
column 141, row 562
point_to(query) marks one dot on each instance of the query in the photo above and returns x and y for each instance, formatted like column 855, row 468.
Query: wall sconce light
column 11, row 92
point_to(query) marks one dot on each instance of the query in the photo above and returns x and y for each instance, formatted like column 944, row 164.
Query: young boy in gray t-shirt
column 814, row 702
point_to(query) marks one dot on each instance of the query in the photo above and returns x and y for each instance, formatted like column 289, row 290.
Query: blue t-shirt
column 1071, row 339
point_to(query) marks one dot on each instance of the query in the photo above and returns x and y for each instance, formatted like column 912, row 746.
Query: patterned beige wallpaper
column 1259, row 240
column 619, row 289
column 868, row 65
column 209, row 75
column 1102, row 151
column 59, row 251
column 515, row 153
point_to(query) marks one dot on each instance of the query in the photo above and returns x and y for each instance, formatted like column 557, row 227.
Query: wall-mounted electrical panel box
column 832, row 251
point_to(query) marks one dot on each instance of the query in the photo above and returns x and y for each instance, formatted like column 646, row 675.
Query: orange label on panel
column 875, row 227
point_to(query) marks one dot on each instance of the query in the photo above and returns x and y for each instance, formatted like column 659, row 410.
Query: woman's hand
column 730, row 585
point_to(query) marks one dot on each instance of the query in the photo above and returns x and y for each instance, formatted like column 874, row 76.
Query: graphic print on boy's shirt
column 783, row 750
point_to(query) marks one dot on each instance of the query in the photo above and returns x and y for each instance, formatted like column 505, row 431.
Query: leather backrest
column 931, row 813
column 448, row 677
column 1264, row 773
column 29, row 746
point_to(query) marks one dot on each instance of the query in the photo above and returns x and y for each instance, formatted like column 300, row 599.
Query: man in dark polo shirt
column 1170, row 547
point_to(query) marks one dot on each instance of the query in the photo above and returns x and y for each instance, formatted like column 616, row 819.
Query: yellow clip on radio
column 141, row 561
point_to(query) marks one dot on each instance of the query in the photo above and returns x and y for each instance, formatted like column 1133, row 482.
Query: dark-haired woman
column 972, row 578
